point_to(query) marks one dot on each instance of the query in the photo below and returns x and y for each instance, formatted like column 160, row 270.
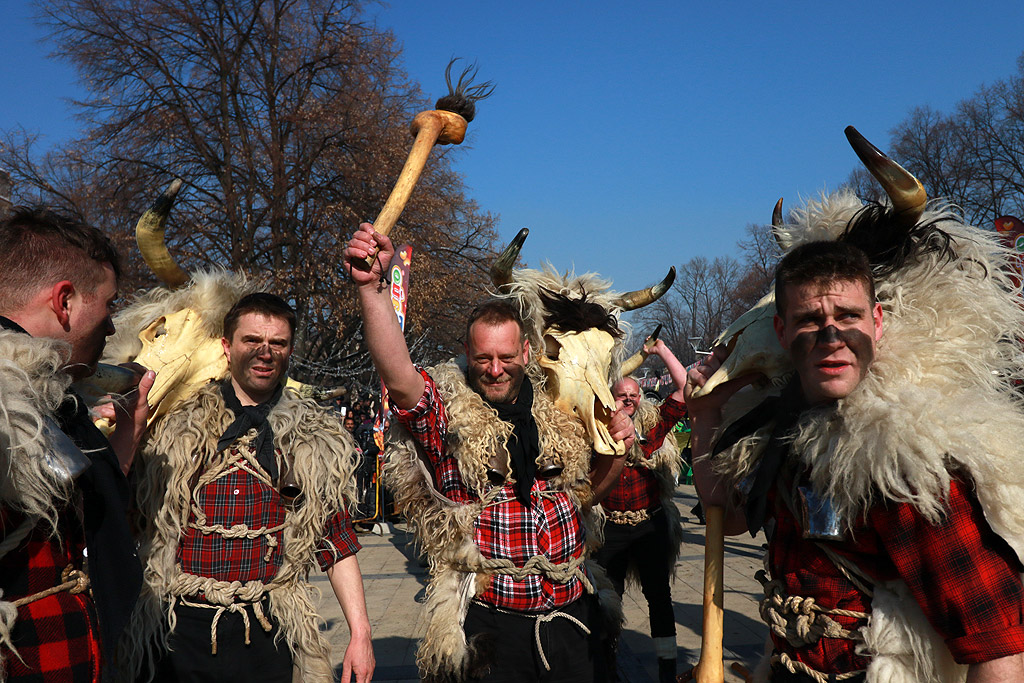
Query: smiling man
column 245, row 486
column 964, row 579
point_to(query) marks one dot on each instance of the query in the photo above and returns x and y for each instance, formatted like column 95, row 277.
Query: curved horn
column 149, row 235
column 501, row 271
column 777, row 223
column 631, row 301
column 906, row 192
column 630, row 365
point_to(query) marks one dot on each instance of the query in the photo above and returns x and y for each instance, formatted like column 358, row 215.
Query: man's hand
column 364, row 243
column 711, row 404
column 359, row 662
column 128, row 413
column 620, row 428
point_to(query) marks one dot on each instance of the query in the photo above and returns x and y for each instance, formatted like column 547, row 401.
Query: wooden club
column 711, row 667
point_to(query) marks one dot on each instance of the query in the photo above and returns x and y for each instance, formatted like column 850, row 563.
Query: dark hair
column 577, row 315
column 822, row 263
column 40, row 247
column 495, row 312
column 262, row 303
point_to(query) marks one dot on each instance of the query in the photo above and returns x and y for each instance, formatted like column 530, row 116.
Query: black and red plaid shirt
column 57, row 637
column 965, row 578
column 508, row 530
column 637, row 487
column 238, row 497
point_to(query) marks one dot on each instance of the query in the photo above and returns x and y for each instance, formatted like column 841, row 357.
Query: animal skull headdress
column 572, row 324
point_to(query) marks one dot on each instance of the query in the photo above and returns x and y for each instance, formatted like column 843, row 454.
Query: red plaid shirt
column 637, row 487
column 965, row 578
column 57, row 637
column 550, row 527
column 237, row 497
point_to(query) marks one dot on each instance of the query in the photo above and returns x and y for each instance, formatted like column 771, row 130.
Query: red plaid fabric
column 236, row 498
column 508, row 530
column 637, row 488
column 965, row 578
column 57, row 637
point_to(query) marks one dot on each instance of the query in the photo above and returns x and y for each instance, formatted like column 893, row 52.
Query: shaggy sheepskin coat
column 445, row 529
column 939, row 399
column 181, row 446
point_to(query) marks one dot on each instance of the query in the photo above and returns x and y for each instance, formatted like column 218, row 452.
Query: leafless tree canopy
column 973, row 156
column 288, row 120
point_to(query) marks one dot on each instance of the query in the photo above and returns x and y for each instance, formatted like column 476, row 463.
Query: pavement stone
column 394, row 581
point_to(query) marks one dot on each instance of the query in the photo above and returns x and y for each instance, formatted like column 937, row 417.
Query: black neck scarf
column 784, row 411
column 524, row 444
column 8, row 324
column 247, row 417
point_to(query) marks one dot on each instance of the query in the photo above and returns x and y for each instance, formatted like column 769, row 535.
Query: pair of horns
column 906, row 192
column 501, row 275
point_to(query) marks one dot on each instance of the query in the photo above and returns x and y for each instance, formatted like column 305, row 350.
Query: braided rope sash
column 627, row 517
column 227, row 596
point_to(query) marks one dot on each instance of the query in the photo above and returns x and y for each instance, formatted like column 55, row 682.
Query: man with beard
column 951, row 569
column 63, row 486
column 244, row 486
column 502, row 499
column 643, row 532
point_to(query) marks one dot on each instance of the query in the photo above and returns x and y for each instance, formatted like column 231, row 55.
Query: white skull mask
column 754, row 348
column 184, row 357
column 577, row 365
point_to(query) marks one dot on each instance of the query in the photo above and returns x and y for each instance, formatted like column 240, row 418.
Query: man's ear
column 227, row 348
column 780, row 330
column 526, row 351
column 60, row 301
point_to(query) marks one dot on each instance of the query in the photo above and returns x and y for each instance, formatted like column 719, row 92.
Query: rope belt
column 539, row 619
column 803, row 622
column 631, row 517
column 223, row 596
column 538, row 565
column 74, row 581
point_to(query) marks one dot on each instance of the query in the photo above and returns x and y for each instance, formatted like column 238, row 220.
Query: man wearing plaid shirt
column 266, row 498
column 529, row 625
column 642, row 534
column 961, row 575
column 60, row 615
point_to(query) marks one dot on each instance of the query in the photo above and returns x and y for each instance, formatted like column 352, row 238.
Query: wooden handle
column 430, row 128
column 711, row 668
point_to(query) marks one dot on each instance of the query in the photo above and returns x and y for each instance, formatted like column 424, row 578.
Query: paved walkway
column 394, row 582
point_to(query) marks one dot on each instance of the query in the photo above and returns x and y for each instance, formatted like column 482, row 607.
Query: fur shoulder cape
column 32, row 386
column 444, row 528
column 180, row 446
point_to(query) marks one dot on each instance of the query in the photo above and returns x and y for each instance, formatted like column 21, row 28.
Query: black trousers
column 646, row 547
column 190, row 658
column 506, row 645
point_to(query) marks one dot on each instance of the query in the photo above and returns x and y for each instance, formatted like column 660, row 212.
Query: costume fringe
column 183, row 444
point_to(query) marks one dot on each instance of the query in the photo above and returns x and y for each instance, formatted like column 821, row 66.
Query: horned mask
column 751, row 339
column 574, row 320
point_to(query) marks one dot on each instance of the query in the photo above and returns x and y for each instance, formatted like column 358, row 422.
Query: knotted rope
column 630, row 517
column 794, row 666
column 223, row 596
column 801, row 621
column 74, row 581
column 538, row 565
column 539, row 619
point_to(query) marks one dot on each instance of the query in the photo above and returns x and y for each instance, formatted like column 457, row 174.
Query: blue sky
column 633, row 136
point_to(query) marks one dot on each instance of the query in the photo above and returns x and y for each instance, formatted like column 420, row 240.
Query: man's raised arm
column 383, row 334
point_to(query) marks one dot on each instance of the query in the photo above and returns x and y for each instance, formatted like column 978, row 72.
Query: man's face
column 350, row 424
column 830, row 331
column 497, row 357
column 626, row 393
column 89, row 324
column 258, row 353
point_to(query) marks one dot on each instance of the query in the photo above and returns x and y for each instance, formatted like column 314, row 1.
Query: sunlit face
column 89, row 324
column 258, row 354
column 626, row 393
column 830, row 331
column 497, row 357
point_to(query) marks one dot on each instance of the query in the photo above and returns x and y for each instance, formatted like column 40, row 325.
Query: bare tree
column 973, row 156
column 288, row 119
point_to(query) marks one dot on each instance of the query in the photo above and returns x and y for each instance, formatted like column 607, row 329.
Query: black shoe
column 698, row 512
